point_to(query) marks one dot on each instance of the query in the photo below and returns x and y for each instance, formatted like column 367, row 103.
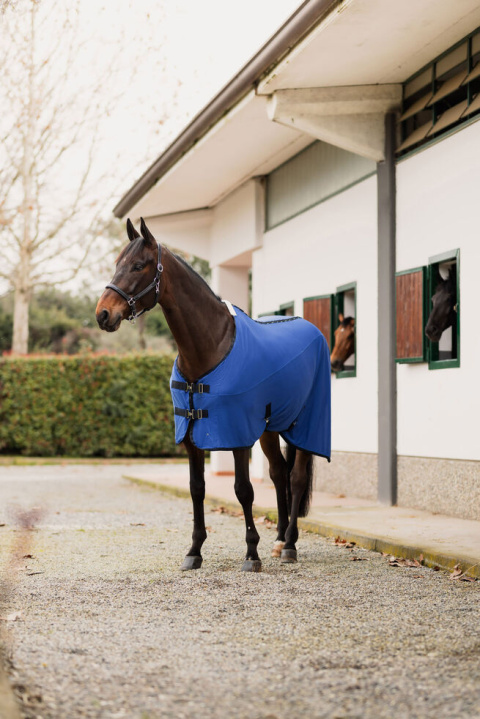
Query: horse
column 344, row 344
column 444, row 310
column 209, row 334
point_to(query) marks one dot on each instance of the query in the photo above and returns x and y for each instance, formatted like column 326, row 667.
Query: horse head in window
column 443, row 314
column 344, row 345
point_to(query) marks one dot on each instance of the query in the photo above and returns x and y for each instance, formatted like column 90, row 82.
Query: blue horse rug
column 275, row 377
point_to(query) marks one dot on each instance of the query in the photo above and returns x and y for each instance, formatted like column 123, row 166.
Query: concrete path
column 443, row 541
column 100, row 623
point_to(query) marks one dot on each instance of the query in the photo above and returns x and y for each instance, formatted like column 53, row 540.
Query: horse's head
column 444, row 307
column 344, row 345
column 134, row 288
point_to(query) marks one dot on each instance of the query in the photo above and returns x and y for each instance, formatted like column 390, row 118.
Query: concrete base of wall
column 351, row 473
column 446, row 486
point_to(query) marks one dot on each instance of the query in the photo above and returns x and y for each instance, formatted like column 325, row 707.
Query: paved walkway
column 443, row 541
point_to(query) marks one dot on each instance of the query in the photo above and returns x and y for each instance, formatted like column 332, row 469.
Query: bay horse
column 444, row 310
column 209, row 334
column 344, row 344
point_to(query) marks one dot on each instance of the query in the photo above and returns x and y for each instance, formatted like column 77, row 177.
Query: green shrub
column 92, row 406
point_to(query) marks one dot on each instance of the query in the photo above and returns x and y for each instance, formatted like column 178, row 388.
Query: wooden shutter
column 410, row 313
column 318, row 311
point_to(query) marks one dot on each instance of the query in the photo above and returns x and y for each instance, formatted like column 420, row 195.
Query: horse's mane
column 197, row 278
column 134, row 246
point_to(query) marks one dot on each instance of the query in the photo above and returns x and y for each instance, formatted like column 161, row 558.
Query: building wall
column 236, row 228
column 437, row 211
column 312, row 254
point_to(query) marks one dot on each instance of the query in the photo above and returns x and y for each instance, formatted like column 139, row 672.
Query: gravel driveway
column 110, row 628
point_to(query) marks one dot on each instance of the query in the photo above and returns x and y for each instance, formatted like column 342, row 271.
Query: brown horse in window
column 344, row 344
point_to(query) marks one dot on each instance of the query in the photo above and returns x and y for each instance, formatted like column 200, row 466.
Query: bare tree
column 58, row 90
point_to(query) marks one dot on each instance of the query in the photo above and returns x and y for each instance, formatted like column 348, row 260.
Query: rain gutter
column 297, row 26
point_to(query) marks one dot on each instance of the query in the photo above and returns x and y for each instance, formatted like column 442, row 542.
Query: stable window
column 286, row 310
column 319, row 311
column 346, row 308
column 428, row 313
column 444, row 296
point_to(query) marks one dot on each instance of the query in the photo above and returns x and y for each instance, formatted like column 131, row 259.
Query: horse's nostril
column 102, row 317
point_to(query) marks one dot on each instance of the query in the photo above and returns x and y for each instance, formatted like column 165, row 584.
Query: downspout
column 299, row 24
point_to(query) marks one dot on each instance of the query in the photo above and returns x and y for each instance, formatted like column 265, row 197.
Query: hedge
column 87, row 406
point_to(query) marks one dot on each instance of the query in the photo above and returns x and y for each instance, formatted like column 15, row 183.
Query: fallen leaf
column 137, row 524
column 32, row 574
column 458, row 574
column 28, row 556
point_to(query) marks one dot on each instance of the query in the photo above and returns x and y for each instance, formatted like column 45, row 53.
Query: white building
column 345, row 153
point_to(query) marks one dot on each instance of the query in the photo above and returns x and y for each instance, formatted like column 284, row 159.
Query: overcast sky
column 192, row 49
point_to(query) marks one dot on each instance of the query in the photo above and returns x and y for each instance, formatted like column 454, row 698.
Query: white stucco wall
column 312, row 254
column 437, row 211
column 235, row 227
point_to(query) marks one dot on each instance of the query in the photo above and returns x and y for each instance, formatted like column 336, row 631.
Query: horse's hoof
column 252, row 565
column 191, row 563
column 277, row 548
column 288, row 556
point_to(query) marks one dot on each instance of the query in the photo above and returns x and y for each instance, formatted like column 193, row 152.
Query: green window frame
column 286, row 310
column 351, row 370
column 435, row 361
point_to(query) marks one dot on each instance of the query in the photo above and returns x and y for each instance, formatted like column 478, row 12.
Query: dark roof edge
column 297, row 25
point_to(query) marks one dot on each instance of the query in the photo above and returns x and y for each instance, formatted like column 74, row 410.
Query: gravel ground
column 110, row 627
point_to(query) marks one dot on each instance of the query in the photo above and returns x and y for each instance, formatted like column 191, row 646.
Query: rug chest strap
column 191, row 387
column 191, row 413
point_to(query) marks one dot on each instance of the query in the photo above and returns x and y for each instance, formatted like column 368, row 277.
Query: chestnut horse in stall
column 205, row 332
column 344, row 343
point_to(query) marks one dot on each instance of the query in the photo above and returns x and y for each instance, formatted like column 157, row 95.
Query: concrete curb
column 385, row 545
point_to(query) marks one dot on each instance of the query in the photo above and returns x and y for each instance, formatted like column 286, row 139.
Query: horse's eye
column 138, row 267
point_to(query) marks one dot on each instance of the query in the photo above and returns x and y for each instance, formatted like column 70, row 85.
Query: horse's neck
column 200, row 323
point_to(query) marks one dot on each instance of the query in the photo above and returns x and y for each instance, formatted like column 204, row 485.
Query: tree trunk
column 20, row 322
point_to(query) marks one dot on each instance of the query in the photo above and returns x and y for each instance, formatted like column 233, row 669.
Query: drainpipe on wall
column 387, row 379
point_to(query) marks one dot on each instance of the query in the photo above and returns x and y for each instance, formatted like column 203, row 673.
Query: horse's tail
column 307, row 495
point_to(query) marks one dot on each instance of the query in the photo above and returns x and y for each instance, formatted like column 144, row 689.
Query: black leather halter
column 155, row 283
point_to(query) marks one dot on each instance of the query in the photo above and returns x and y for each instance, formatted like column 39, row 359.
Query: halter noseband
column 155, row 283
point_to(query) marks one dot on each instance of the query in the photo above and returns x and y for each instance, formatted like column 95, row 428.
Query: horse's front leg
column 244, row 492
column 196, row 458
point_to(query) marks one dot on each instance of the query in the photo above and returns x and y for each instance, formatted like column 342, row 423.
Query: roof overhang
column 325, row 44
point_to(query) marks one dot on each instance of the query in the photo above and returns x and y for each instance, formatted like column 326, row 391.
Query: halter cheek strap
column 131, row 300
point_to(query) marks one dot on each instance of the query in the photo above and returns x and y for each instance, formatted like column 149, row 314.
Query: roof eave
column 294, row 29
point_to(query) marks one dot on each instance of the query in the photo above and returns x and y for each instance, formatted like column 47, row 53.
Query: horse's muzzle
column 108, row 323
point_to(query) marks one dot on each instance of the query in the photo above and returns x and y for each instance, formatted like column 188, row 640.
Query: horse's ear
column 131, row 231
column 340, row 317
column 352, row 321
column 146, row 234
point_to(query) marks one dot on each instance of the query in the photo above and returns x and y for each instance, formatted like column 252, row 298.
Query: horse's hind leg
column 196, row 458
column 301, row 478
column 270, row 444
column 244, row 492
